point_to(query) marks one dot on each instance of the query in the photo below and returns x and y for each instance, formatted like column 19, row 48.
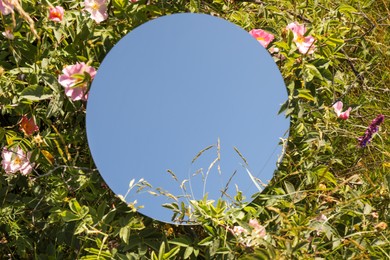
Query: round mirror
column 186, row 106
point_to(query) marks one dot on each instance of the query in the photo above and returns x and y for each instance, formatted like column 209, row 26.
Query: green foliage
column 328, row 199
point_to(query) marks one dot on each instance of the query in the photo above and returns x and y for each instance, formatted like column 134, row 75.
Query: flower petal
column 338, row 106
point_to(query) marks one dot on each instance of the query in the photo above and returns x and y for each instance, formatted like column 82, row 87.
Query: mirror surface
column 173, row 87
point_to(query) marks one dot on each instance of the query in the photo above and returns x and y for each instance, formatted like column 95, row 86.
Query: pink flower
column 305, row 44
column 74, row 81
column 6, row 7
column 97, row 9
column 56, row 14
column 8, row 34
column 238, row 230
column 254, row 223
column 15, row 160
column 262, row 37
column 338, row 107
column 259, row 230
column 28, row 126
column 296, row 28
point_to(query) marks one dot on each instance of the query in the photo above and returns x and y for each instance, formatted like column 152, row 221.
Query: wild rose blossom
column 258, row 229
column 263, row 37
column 338, row 107
column 74, row 82
column 250, row 237
column 15, row 159
column 28, row 126
column 97, row 9
column 56, row 14
column 372, row 129
column 6, row 7
column 304, row 43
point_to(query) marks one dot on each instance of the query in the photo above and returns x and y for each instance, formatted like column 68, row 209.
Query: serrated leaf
column 36, row 93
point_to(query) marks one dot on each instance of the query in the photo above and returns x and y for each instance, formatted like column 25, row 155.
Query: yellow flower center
column 300, row 39
column 95, row 6
column 56, row 13
column 260, row 39
column 18, row 160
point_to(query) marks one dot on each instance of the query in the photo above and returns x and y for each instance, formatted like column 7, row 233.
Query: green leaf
column 334, row 41
column 153, row 256
column 124, row 234
column 161, row 251
column 346, row 9
column 196, row 252
column 205, row 242
column 19, row 70
column 305, row 94
column 223, row 250
column 274, row 9
column 310, row 72
column 74, row 206
column 289, row 187
column 174, row 251
column 283, row 107
column 80, row 228
column 109, row 217
column 97, row 252
column 55, row 106
column 36, row 93
column 194, row 6
column 120, row 4
column 68, row 216
column 180, row 241
column 188, row 252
